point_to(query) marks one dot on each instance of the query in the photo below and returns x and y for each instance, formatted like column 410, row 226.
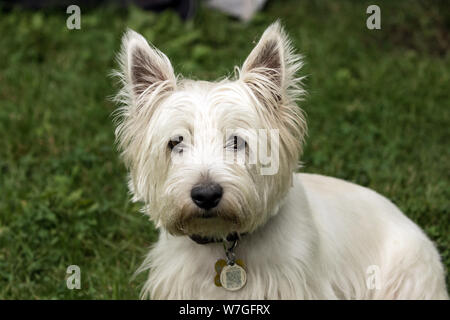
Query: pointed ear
column 144, row 67
column 271, row 66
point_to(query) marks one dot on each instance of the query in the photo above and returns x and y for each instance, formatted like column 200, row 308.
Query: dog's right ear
column 146, row 76
column 144, row 68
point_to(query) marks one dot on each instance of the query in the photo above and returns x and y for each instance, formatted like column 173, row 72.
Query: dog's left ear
column 270, row 68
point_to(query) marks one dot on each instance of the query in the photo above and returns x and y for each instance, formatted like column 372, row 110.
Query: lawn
column 378, row 111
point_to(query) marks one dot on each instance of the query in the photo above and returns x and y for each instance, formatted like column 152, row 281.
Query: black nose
column 207, row 196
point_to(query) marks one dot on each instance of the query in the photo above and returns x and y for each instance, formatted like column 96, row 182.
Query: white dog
column 290, row 236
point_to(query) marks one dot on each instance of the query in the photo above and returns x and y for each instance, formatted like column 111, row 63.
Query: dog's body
column 321, row 245
column 302, row 236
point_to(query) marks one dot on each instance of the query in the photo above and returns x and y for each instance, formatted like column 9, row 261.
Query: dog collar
column 205, row 240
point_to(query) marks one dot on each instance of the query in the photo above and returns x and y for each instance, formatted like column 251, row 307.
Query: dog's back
column 364, row 236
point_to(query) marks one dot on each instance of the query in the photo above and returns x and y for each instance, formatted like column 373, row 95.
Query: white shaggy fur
column 307, row 236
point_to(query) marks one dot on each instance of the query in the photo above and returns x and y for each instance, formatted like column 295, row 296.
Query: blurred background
column 377, row 105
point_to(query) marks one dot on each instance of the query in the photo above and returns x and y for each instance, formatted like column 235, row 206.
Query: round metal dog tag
column 233, row 277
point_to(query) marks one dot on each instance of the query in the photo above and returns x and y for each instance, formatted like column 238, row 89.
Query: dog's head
column 210, row 158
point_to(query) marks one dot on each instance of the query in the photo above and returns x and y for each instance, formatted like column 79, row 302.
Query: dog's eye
column 174, row 141
column 236, row 143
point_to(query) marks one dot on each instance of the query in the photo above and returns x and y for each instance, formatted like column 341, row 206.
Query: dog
column 236, row 226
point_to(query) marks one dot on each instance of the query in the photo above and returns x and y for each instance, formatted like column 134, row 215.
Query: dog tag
column 233, row 277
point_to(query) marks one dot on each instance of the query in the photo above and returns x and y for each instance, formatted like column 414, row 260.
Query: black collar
column 205, row 240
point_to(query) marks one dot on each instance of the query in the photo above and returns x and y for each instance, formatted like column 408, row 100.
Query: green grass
column 378, row 114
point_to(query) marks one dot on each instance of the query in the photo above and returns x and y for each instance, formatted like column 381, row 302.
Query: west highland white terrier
column 214, row 163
